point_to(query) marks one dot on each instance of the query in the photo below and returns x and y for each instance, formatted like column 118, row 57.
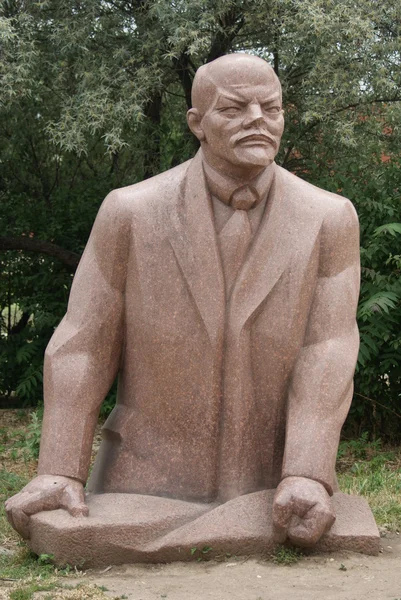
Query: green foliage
column 367, row 468
column 34, row 431
column 93, row 96
column 27, row 591
column 37, row 574
column 377, row 401
column 109, row 402
column 10, row 484
column 283, row 555
column 360, row 448
column 24, row 442
column 201, row 553
column 45, row 559
column 24, row 565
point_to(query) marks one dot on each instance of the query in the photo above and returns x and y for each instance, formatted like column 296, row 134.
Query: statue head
column 237, row 114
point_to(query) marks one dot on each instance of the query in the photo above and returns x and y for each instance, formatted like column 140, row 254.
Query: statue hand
column 45, row 492
column 302, row 511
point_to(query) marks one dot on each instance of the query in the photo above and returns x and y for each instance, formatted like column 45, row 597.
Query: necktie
column 236, row 235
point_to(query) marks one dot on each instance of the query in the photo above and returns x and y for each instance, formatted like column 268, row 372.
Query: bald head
column 233, row 70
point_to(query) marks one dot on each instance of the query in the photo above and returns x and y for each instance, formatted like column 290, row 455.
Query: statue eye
column 230, row 110
column 271, row 109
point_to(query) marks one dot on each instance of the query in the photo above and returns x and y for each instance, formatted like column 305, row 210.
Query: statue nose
column 254, row 116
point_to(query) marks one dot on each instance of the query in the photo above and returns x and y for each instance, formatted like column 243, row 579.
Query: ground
column 365, row 468
column 347, row 576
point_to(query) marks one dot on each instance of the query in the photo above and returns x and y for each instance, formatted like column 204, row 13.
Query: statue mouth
column 256, row 139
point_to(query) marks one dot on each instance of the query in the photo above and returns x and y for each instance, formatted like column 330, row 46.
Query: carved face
column 243, row 125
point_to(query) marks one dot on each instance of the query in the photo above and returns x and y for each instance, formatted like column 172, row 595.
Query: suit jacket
column 215, row 398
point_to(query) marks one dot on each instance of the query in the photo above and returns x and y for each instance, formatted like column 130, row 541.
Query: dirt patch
column 340, row 576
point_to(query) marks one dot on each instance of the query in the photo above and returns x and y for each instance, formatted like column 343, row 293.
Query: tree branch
column 22, row 323
column 276, row 62
column 316, row 122
column 181, row 68
column 70, row 259
column 231, row 24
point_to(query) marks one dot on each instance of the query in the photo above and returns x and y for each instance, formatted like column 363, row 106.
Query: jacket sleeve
column 83, row 356
column 321, row 389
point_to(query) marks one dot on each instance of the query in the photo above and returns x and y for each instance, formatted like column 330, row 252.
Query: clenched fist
column 45, row 492
column 302, row 511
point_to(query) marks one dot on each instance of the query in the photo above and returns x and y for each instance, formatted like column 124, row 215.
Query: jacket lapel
column 270, row 254
column 195, row 247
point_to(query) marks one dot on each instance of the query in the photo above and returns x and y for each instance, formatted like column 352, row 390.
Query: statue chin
column 255, row 156
column 242, row 162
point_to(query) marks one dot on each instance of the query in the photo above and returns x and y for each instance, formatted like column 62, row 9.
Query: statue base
column 129, row 528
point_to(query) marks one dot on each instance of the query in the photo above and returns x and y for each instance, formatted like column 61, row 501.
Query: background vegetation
column 363, row 468
column 93, row 95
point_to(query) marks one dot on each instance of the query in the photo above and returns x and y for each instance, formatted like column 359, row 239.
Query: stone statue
column 223, row 293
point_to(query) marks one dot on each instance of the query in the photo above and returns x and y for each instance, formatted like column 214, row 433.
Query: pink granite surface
column 123, row 528
column 223, row 295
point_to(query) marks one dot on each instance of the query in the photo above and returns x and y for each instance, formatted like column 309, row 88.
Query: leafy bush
column 34, row 430
column 115, row 114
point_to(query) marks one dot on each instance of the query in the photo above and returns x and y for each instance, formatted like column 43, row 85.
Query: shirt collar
column 222, row 186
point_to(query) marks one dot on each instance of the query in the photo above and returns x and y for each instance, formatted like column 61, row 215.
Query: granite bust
column 223, row 293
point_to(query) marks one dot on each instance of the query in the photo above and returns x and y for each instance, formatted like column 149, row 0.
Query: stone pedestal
column 127, row 528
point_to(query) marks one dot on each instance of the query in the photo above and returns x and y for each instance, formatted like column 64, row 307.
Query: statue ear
column 194, row 120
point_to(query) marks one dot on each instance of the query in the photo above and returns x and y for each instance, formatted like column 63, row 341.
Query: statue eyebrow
column 232, row 98
column 272, row 99
column 268, row 100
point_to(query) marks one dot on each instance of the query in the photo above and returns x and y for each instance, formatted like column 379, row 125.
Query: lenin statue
column 223, row 295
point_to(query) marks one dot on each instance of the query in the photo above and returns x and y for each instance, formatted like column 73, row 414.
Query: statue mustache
column 260, row 133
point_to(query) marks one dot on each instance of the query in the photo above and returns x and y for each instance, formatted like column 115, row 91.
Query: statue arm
column 321, row 388
column 83, row 356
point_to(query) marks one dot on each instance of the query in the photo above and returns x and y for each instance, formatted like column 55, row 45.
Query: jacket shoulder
column 338, row 221
column 155, row 189
column 332, row 208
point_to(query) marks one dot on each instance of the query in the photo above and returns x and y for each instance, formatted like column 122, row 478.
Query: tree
column 93, row 96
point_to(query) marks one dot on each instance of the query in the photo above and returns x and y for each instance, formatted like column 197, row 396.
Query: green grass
column 26, row 592
column 27, row 573
column 82, row 591
column 381, row 487
column 201, row 553
column 33, row 574
column 286, row 556
column 366, row 469
column 10, row 484
column 24, row 565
